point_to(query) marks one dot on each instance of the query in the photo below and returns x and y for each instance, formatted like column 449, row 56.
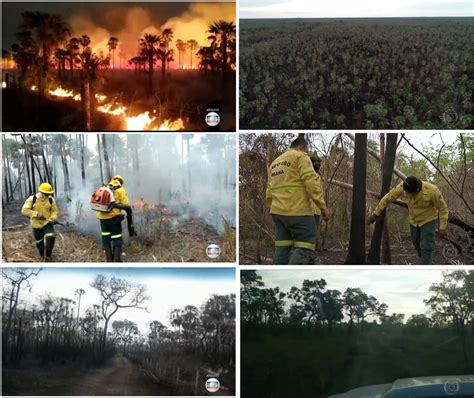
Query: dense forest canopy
column 390, row 73
column 442, row 159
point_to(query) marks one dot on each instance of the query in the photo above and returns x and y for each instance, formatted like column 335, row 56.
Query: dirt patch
column 118, row 377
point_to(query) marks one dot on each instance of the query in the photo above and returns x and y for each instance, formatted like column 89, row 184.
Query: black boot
column 117, row 254
column 109, row 257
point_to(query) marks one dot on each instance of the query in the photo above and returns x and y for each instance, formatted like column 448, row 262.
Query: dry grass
column 19, row 246
column 187, row 243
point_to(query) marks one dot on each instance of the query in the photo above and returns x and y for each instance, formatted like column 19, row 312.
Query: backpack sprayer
column 103, row 200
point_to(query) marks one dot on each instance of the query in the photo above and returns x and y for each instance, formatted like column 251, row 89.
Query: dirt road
column 118, row 377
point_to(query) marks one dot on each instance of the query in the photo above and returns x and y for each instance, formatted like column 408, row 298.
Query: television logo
column 213, row 251
column 451, row 387
column 213, row 119
column 213, row 385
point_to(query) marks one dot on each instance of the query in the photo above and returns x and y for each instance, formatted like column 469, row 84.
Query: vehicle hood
column 417, row 387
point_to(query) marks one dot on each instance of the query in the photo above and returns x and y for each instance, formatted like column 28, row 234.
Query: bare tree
column 117, row 293
column 17, row 278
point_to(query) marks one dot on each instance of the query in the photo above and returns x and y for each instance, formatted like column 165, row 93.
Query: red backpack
column 102, row 199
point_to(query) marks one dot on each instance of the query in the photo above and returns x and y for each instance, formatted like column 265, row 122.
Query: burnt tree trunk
column 356, row 254
column 388, row 164
column 86, row 106
column 106, row 158
column 99, row 152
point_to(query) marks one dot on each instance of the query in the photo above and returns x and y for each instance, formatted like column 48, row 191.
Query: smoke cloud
column 129, row 23
column 193, row 182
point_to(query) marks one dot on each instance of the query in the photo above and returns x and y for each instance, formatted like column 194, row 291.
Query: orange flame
column 143, row 121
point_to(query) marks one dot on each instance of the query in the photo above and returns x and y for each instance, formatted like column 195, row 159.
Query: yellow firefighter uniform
column 43, row 207
column 423, row 207
column 293, row 185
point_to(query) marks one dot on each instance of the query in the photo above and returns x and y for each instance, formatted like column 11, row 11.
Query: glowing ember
column 107, row 108
column 4, row 84
column 100, row 97
column 139, row 122
column 169, row 125
column 34, row 88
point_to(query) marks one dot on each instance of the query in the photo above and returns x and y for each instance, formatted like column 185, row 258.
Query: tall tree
column 112, row 45
column 42, row 33
column 126, row 331
column 115, row 294
column 356, row 254
column 106, row 157
column 148, row 50
column 224, row 32
column 192, row 45
column 388, row 165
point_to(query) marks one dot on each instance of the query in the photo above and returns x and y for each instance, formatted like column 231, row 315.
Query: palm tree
column 224, row 33
column 192, row 44
column 85, row 41
column 60, row 55
column 181, row 46
column 148, row 50
column 112, row 44
column 43, row 33
column 73, row 51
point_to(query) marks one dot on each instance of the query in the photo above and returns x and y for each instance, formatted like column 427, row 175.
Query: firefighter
column 293, row 187
column 42, row 211
column 425, row 206
column 121, row 180
column 111, row 225
column 316, row 161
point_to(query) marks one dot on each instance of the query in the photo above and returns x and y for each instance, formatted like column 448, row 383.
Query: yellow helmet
column 46, row 188
column 114, row 184
column 119, row 178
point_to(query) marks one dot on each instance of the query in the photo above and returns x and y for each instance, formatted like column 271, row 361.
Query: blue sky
column 350, row 8
column 168, row 288
column 169, row 273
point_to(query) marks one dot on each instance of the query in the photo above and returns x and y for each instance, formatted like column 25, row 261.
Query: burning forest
column 117, row 331
column 111, row 197
column 118, row 66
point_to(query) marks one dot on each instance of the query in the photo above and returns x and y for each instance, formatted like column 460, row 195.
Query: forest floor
column 184, row 242
column 401, row 254
column 118, row 377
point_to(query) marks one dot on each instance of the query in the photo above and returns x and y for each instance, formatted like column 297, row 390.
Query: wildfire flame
column 4, row 84
column 142, row 121
column 139, row 122
column 60, row 92
column 107, row 108
column 169, row 125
